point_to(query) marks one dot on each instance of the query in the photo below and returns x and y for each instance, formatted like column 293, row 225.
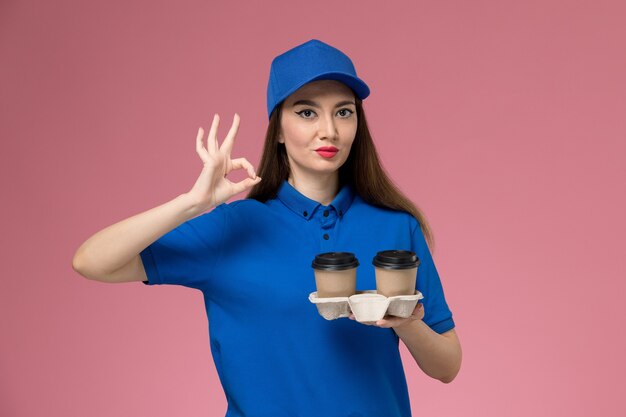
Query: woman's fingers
column 199, row 147
column 245, row 184
column 227, row 145
column 243, row 163
column 212, row 142
column 212, row 139
column 213, row 146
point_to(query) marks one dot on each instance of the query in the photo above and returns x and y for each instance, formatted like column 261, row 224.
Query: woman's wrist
column 410, row 327
column 192, row 205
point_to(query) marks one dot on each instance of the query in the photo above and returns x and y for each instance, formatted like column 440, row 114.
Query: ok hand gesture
column 212, row 187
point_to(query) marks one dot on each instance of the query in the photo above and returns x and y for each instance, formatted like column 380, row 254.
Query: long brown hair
column 362, row 170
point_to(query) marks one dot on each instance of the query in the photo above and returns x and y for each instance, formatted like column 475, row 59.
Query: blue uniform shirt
column 274, row 354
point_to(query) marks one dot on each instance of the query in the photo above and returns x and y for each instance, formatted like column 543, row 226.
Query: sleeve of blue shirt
column 437, row 315
column 186, row 255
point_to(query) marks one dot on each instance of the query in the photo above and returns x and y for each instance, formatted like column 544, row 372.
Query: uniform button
column 326, row 237
column 325, row 213
column 305, row 214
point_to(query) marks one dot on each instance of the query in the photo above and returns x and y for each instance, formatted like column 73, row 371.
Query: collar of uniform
column 305, row 207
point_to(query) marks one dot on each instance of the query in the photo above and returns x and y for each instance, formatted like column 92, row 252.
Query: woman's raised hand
column 212, row 187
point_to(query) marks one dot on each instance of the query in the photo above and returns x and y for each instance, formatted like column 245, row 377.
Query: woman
column 320, row 189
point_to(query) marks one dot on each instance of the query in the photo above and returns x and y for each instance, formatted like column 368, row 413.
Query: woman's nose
column 327, row 127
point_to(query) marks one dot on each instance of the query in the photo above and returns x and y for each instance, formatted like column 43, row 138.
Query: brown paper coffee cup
column 396, row 272
column 335, row 274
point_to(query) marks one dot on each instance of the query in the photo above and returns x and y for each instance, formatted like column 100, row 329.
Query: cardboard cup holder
column 368, row 306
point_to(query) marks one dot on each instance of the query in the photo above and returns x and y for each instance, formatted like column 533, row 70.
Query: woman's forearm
column 437, row 355
column 115, row 246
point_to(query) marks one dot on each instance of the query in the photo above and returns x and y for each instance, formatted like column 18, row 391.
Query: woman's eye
column 305, row 111
column 347, row 110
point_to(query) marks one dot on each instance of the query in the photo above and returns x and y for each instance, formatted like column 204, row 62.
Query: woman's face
column 318, row 125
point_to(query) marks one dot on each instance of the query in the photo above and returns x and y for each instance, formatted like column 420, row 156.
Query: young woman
column 320, row 188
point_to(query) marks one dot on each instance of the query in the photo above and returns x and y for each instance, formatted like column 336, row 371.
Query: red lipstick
column 327, row 151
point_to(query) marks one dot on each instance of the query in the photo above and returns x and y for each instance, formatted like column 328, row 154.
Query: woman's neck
column 322, row 189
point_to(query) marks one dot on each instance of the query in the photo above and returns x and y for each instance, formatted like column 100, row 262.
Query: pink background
column 503, row 120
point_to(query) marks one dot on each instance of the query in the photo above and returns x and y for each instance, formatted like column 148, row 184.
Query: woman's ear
column 280, row 138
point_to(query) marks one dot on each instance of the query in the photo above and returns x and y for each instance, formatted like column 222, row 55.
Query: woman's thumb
column 246, row 184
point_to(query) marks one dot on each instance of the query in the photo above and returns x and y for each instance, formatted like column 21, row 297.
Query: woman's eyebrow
column 315, row 104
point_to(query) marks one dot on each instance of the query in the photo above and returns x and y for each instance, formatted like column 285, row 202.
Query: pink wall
column 503, row 120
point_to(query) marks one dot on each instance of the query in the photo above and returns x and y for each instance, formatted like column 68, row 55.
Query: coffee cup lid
column 396, row 259
column 335, row 261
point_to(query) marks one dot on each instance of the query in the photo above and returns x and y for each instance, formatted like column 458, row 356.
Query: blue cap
column 310, row 61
